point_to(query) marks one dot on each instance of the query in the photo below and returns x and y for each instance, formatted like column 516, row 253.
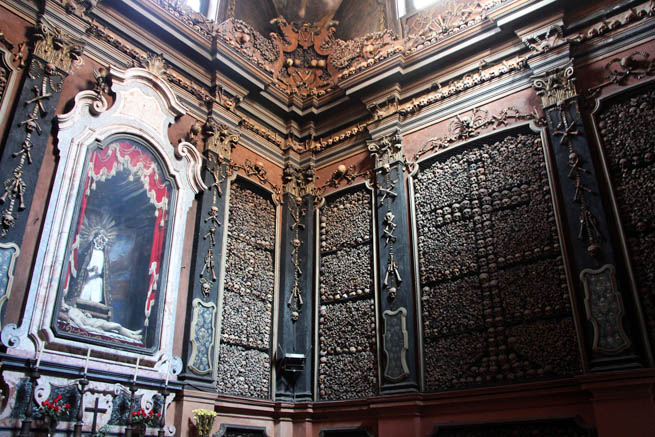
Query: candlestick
column 38, row 355
column 168, row 372
column 86, row 363
column 136, row 369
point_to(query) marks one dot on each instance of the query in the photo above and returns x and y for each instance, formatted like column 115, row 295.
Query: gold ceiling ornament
column 56, row 47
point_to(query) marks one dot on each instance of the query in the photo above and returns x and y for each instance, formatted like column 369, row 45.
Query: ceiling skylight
column 194, row 4
column 420, row 4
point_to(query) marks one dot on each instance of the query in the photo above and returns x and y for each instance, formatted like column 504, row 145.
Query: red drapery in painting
column 106, row 163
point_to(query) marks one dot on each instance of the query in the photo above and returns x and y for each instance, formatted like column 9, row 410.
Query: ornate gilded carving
column 142, row 59
column 436, row 23
column 57, row 48
column 195, row 20
column 153, row 63
column 263, row 132
column 298, row 182
column 244, row 39
column 626, row 126
column 486, row 231
column 347, row 338
column 79, row 7
column 555, row 86
column 553, row 37
column 302, row 64
column 614, row 22
column 604, row 308
column 457, row 86
column 353, row 56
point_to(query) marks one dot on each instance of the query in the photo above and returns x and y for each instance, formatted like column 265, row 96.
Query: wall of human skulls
column 498, row 298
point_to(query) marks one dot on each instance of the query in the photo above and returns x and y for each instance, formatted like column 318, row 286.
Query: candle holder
column 77, row 429
column 162, row 422
column 26, row 426
column 129, row 428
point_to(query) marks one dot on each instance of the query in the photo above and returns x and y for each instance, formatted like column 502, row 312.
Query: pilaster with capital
column 54, row 56
column 397, row 314
column 202, row 330
column 610, row 320
column 296, row 304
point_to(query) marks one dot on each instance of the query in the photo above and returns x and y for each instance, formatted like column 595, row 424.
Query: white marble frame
column 144, row 108
column 12, row 77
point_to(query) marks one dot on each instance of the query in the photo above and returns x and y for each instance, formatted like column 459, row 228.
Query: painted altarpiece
column 104, row 276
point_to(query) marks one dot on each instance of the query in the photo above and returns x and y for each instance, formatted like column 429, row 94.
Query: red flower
column 43, row 404
column 158, row 414
column 133, row 413
column 67, row 406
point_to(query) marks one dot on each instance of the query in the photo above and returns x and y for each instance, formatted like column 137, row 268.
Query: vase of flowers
column 204, row 420
column 141, row 420
column 51, row 411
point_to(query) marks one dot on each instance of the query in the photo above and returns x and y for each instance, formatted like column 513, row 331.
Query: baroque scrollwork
column 434, row 24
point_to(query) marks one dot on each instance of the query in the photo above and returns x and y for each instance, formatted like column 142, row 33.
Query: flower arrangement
column 204, row 420
column 54, row 408
column 148, row 419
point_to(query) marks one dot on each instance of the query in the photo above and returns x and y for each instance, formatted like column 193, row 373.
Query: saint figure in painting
column 113, row 271
column 90, row 285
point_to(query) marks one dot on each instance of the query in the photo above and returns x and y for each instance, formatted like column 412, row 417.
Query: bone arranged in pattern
column 347, row 337
column 486, row 235
column 246, row 320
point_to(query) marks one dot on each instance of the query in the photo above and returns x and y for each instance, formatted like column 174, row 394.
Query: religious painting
column 110, row 286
